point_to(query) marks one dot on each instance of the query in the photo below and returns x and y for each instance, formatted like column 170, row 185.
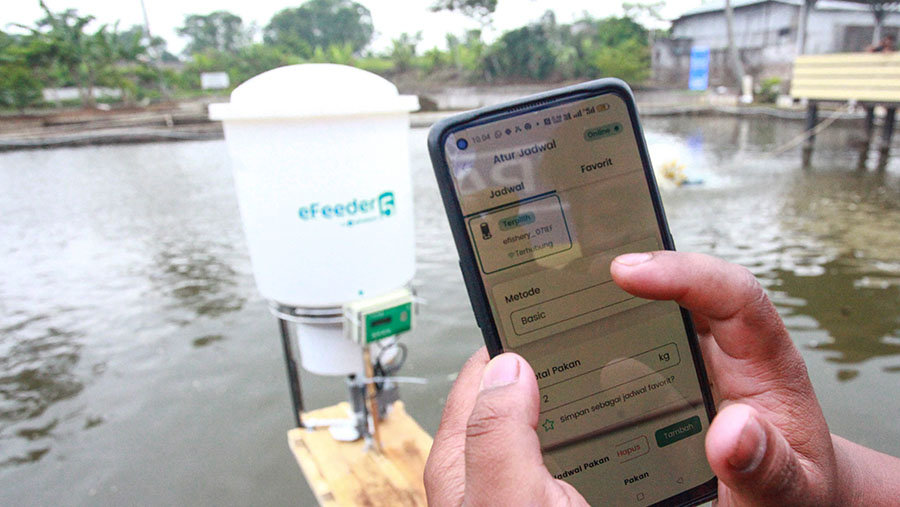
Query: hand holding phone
column 771, row 445
column 542, row 194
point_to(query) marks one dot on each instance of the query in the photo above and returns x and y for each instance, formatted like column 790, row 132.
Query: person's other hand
column 486, row 450
column 769, row 443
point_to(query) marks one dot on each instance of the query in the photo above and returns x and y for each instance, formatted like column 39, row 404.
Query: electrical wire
column 806, row 134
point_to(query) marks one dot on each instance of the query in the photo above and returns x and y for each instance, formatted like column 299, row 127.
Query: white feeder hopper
column 321, row 164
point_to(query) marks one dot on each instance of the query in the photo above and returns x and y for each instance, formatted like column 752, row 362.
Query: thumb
column 503, row 454
column 754, row 461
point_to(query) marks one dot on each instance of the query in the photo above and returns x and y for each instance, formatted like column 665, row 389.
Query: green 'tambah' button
column 678, row 431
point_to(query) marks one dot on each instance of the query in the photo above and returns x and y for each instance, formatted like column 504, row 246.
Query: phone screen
column 549, row 197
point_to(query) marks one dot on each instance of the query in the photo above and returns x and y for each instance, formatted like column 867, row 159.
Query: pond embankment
column 189, row 120
column 173, row 121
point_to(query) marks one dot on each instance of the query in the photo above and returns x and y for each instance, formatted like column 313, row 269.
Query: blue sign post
column 699, row 76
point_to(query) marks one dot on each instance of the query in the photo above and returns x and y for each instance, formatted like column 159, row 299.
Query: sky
column 390, row 17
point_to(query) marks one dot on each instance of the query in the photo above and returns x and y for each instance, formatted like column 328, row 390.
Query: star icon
column 548, row 425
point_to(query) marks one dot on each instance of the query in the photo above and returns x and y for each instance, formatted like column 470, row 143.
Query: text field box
column 603, row 297
column 610, row 376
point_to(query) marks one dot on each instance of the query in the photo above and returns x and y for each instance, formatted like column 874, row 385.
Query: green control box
column 370, row 320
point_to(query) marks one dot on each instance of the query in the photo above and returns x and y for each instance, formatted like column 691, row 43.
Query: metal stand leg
column 293, row 373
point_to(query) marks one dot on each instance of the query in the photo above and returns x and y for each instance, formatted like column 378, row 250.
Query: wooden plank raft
column 345, row 473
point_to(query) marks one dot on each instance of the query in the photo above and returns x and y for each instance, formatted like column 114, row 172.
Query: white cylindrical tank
column 321, row 165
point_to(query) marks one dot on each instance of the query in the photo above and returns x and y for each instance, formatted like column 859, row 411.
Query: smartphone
column 542, row 194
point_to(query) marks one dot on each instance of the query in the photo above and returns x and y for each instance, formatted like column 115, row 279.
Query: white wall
column 758, row 26
column 71, row 93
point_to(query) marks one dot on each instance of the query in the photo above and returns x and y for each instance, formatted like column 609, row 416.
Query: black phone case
column 467, row 263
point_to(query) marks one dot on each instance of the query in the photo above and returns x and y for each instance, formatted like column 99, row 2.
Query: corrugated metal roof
column 719, row 5
column 822, row 5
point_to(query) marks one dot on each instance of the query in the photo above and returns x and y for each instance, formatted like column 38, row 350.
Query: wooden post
column 887, row 133
column 888, row 130
column 870, row 122
column 812, row 119
column 868, row 130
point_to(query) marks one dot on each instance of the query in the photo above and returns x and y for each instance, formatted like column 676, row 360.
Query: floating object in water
column 673, row 171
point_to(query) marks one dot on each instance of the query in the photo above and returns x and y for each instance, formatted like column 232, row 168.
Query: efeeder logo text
column 355, row 212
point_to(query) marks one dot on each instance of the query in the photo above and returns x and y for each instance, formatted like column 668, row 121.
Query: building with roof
column 767, row 33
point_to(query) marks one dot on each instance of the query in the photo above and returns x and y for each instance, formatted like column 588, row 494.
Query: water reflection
column 37, row 370
column 196, row 279
column 853, row 291
column 852, row 212
column 36, row 366
column 824, row 241
column 106, row 253
column 862, row 322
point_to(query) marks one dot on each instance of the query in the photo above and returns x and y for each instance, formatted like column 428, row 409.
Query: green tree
column 613, row 31
column 434, row 59
column 66, row 44
column 126, row 61
column 19, row 86
column 612, row 46
column 341, row 54
column 241, row 66
column 629, row 61
column 219, row 30
column 8, row 48
column 258, row 58
column 528, row 52
column 403, row 51
column 480, row 10
column 6, row 41
column 467, row 55
column 320, row 24
column 471, row 8
column 70, row 54
column 62, row 42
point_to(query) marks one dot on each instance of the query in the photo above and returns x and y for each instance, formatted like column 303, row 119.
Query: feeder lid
column 313, row 90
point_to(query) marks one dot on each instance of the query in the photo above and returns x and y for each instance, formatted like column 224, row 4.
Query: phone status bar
column 548, row 120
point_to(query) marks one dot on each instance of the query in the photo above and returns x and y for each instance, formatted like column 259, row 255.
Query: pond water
column 138, row 364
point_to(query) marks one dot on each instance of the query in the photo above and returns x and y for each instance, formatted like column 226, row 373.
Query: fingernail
column 503, row 370
column 751, row 447
column 633, row 259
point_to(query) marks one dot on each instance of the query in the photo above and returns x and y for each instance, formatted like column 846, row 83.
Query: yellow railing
column 864, row 77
